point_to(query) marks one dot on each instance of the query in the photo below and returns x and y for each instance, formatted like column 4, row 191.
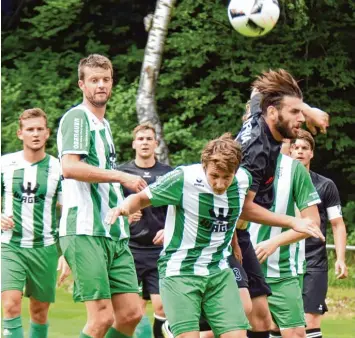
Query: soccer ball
column 253, row 17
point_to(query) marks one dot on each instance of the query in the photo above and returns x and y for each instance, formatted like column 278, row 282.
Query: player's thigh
column 286, row 304
column 87, row 259
column 182, row 299
column 222, row 305
column 121, row 270
column 315, row 287
column 42, row 274
column 13, row 268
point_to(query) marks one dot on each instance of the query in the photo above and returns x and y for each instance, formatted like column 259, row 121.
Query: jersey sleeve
column 255, row 108
column 167, row 190
column 75, row 133
column 305, row 194
column 332, row 201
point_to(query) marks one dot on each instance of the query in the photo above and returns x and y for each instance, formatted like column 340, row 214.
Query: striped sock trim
column 314, row 333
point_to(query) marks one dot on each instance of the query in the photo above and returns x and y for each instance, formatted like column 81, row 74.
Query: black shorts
column 256, row 281
column 147, row 271
column 315, row 287
column 239, row 273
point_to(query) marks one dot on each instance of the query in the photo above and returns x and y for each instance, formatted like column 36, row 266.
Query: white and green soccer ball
column 253, row 17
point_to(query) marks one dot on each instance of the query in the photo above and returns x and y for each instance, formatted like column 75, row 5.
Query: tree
column 157, row 28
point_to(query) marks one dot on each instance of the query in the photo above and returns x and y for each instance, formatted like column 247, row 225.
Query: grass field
column 67, row 318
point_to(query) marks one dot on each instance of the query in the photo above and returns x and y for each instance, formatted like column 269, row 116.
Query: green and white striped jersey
column 293, row 188
column 30, row 192
column 199, row 224
column 85, row 205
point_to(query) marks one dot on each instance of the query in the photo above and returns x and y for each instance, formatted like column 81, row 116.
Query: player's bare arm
column 74, row 168
column 237, row 251
column 129, row 206
column 266, row 248
column 339, row 232
column 254, row 213
column 316, row 118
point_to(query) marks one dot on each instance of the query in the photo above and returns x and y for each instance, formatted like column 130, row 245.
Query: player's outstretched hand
column 7, row 223
column 341, row 270
column 265, row 249
column 64, row 269
column 307, row 226
column 114, row 213
column 133, row 182
column 316, row 118
column 159, row 238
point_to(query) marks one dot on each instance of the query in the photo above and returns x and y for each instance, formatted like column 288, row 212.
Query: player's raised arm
column 255, row 213
column 130, row 205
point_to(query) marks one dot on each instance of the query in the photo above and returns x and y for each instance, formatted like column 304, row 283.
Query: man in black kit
column 315, row 283
column 277, row 111
column 147, row 226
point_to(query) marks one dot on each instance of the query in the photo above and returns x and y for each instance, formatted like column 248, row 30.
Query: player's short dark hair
column 144, row 126
column 30, row 114
column 224, row 152
column 274, row 85
column 305, row 136
column 94, row 61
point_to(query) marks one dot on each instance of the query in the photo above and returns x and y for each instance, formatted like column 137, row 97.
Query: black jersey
column 153, row 218
column 259, row 154
column 329, row 208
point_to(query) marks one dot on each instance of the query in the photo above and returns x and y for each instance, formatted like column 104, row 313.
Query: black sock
column 264, row 334
column 314, row 333
column 158, row 322
column 275, row 334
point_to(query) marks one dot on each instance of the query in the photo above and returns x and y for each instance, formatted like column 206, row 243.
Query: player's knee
column 101, row 322
column 12, row 307
column 39, row 312
column 131, row 317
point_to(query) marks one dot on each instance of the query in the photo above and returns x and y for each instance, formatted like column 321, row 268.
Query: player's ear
column 272, row 112
column 81, row 84
column 19, row 134
column 133, row 144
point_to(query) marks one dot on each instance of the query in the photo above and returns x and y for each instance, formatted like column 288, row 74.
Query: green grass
column 68, row 318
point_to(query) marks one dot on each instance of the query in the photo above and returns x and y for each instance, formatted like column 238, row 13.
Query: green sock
column 38, row 330
column 144, row 329
column 84, row 335
column 113, row 333
column 13, row 327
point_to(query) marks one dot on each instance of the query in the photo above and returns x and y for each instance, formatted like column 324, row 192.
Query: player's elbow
column 67, row 169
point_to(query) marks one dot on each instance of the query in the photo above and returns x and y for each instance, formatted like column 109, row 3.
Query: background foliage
column 205, row 77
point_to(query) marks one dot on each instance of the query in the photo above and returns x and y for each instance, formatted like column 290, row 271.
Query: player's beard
column 283, row 128
column 98, row 103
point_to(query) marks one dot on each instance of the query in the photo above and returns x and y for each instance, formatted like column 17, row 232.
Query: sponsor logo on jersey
column 245, row 134
column 147, row 174
column 29, row 194
column 7, row 332
column 270, row 180
column 237, row 274
column 218, row 223
column 199, row 183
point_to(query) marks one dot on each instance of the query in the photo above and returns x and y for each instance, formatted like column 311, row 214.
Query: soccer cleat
column 166, row 330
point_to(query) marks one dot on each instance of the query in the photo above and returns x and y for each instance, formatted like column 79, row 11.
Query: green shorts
column 285, row 303
column 100, row 266
column 216, row 295
column 33, row 268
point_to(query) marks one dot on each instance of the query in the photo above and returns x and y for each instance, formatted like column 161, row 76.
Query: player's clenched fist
column 132, row 182
column 7, row 222
column 316, row 118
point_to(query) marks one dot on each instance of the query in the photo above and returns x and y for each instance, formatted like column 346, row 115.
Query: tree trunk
column 157, row 28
